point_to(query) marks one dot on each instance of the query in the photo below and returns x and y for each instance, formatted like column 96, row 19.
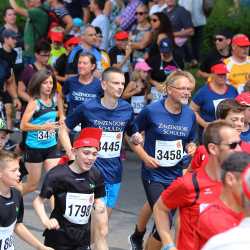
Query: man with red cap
column 77, row 188
column 238, row 64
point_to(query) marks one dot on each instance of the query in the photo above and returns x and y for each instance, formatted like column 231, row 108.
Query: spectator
column 195, row 7
column 222, row 41
column 207, row 98
column 157, row 6
column 34, row 28
column 127, row 17
column 238, row 64
column 100, row 20
column 181, row 23
column 140, row 35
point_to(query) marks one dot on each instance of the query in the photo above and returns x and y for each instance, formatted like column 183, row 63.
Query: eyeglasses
column 219, row 39
column 181, row 88
column 154, row 20
column 232, row 145
column 140, row 13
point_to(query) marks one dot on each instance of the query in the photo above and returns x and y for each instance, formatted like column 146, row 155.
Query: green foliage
column 225, row 15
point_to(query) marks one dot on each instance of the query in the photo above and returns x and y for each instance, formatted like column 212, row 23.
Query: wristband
column 168, row 246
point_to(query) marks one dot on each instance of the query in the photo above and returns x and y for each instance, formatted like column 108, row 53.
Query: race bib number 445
column 168, row 153
column 78, row 207
column 111, row 143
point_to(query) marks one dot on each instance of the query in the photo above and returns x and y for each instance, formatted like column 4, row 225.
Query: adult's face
column 10, row 17
column 240, row 52
column 180, row 91
column 114, row 85
column 220, row 79
column 141, row 13
column 155, row 22
column 221, row 42
column 89, row 36
column 85, row 67
column 42, row 57
column 171, row 3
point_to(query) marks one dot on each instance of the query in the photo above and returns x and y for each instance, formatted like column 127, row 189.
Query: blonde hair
column 176, row 75
column 6, row 156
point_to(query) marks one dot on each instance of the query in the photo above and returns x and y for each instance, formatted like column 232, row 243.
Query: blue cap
column 77, row 22
column 9, row 33
column 166, row 45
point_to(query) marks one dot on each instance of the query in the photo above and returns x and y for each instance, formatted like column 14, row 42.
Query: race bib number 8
column 78, row 207
column 111, row 143
column 168, row 153
column 6, row 237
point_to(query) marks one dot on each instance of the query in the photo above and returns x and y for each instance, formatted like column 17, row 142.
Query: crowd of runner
column 87, row 79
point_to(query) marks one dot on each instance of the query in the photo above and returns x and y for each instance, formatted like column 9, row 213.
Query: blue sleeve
column 65, row 88
column 186, row 19
column 192, row 135
column 129, row 127
column 198, row 98
column 140, row 121
column 76, row 117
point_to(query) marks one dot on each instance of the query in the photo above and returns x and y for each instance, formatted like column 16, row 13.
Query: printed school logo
column 178, row 144
column 119, row 136
column 91, row 199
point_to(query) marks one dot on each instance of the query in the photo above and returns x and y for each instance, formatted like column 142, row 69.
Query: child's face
column 9, row 173
column 3, row 139
column 247, row 115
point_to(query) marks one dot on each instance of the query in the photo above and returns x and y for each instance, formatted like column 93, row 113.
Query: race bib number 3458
column 168, row 153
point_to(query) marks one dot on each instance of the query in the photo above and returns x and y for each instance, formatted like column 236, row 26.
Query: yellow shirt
column 238, row 72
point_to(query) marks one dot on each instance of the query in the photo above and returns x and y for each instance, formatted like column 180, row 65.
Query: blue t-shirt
column 245, row 136
column 42, row 138
column 76, row 93
column 166, row 136
column 114, row 123
column 208, row 101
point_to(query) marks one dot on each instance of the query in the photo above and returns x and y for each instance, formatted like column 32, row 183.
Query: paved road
column 123, row 218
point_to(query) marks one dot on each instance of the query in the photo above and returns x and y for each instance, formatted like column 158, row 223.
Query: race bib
column 168, row 153
column 216, row 103
column 78, row 207
column 6, row 237
column 111, row 143
column 138, row 103
column 44, row 135
column 19, row 58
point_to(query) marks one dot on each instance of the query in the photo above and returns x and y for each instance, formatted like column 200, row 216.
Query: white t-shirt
column 102, row 22
column 233, row 239
column 157, row 8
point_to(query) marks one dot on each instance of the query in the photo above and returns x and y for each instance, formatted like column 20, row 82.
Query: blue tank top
column 42, row 138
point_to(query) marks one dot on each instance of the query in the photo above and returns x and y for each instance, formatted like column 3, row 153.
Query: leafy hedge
column 225, row 15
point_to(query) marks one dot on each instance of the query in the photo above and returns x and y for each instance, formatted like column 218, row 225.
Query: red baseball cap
column 243, row 99
column 241, row 40
column 72, row 41
column 88, row 137
column 121, row 35
column 219, row 69
column 56, row 36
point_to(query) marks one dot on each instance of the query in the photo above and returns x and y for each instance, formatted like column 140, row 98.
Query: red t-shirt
column 181, row 194
column 200, row 158
column 245, row 147
column 215, row 219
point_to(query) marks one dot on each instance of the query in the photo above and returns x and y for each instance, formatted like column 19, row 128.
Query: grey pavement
column 123, row 218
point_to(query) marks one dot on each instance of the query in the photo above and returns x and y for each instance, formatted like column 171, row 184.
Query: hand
column 137, row 138
column 17, row 104
column 51, row 224
column 191, row 148
column 51, row 126
column 128, row 50
column 151, row 162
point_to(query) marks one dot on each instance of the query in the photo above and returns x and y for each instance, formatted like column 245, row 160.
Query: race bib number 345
column 111, row 143
column 168, row 153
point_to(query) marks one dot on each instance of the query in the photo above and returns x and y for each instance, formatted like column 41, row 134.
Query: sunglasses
column 140, row 13
column 154, row 20
column 232, row 145
column 219, row 39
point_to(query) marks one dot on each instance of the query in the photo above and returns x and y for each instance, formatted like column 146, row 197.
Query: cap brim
column 7, row 130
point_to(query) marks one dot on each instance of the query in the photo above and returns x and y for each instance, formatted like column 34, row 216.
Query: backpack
column 208, row 6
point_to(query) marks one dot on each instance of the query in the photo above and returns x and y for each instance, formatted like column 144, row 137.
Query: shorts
column 112, row 192
column 153, row 191
column 37, row 155
column 59, row 241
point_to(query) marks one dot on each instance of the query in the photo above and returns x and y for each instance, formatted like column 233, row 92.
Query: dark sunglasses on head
column 140, row 13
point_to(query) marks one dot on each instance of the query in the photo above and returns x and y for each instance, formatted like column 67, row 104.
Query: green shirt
column 36, row 27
